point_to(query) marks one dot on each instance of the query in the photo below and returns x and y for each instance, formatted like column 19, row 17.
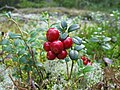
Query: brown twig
column 8, row 7
column 4, row 69
column 18, row 87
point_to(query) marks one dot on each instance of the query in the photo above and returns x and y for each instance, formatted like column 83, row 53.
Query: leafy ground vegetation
column 91, row 61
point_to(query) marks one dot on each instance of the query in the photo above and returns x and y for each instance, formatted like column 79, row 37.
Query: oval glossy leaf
column 23, row 59
column 73, row 27
column 63, row 36
column 73, row 54
column 77, row 40
column 33, row 34
column 31, row 40
column 8, row 48
column 15, row 59
column 88, row 69
column 14, row 36
column 106, row 46
column 22, row 51
column 64, row 25
column 106, row 39
column 80, row 63
column 59, row 28
column 94, row 39
column 16, row 42
column 79, row 47
column 5, row 42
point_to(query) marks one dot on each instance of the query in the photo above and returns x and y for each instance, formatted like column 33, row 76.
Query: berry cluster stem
column 71, row 70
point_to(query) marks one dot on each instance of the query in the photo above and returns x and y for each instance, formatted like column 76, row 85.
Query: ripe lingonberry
column 67, row 42
column 52, row 34
column 47, row 46
column 62, row 55
column 50, row 55
column 85, row 62
column 56, row 47
column 83, row 58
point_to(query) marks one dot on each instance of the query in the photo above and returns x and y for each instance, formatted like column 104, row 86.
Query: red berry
column 56, row 47
column 50, row 55
column 47, row 46
column 67, row 42
column 62, row 55
column 52, row 34
column 83, row 58
column 85, row 62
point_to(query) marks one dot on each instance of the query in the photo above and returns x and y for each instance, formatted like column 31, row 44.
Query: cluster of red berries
column 86, row 61
column 55, row 46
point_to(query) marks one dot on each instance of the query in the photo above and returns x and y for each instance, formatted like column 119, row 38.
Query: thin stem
column 17, row 26
column 71, row 70
column 17, row 86
column 21, row 34
column 67, row 69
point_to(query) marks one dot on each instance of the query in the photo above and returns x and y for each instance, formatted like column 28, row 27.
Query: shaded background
column 103, row 5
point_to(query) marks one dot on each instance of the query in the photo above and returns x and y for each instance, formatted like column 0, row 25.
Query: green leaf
column 15, row 59
column 64, row 25
column 14, row 36
column 16, row 42
column 88, row 69
column 73, row 27
column 79, row 47
column 73, row 54
column 30, row 40
column 59, row 28
column 8, row 48
column 5, row 42
column 106, row 46
column 63, row 36
column 94, row 39
column 21, row 52
column 33, row 34
column 80, row 63
column 27, row 68
column 8, row 14
column 77, row 40
column 106, row 39
column 23, row 59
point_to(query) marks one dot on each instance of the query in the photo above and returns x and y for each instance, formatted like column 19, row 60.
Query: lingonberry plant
column 28, row 50
column 59, row 44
